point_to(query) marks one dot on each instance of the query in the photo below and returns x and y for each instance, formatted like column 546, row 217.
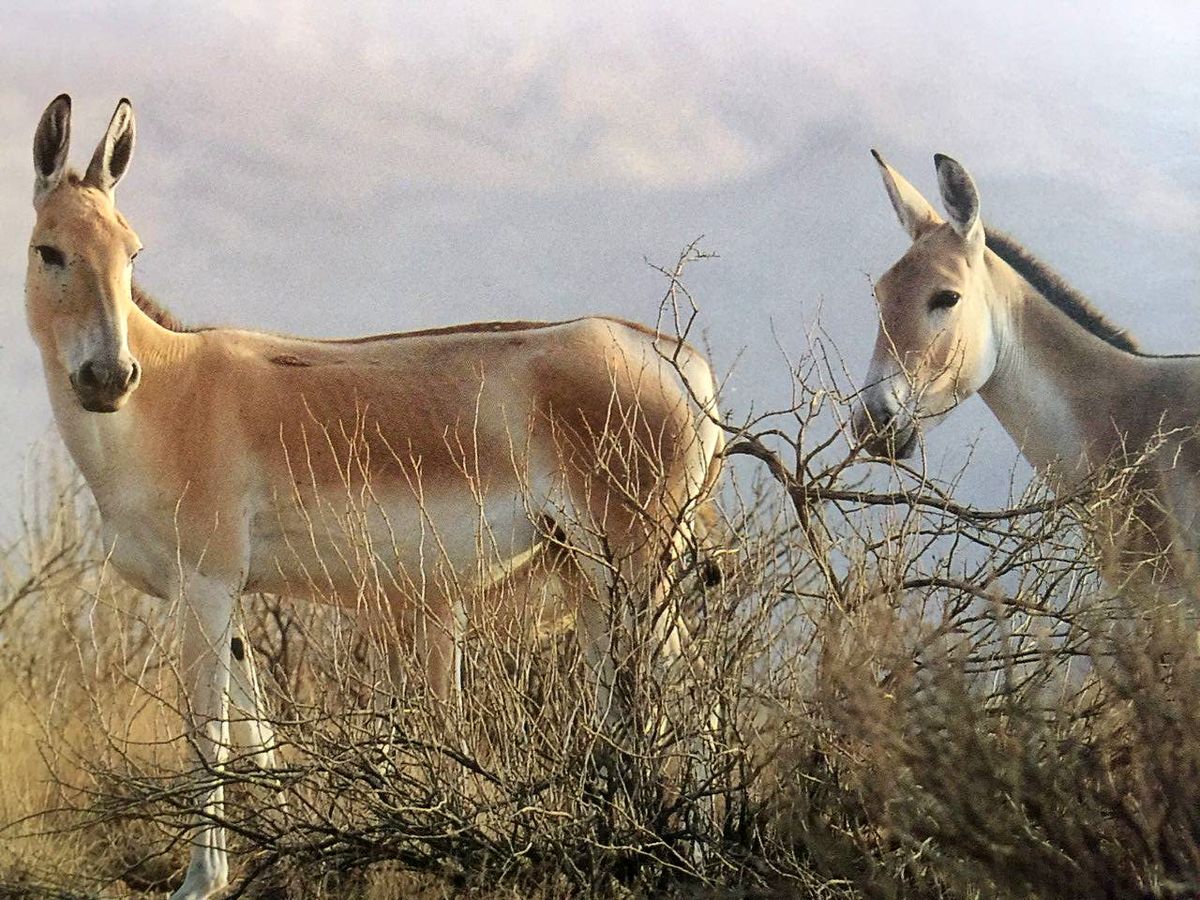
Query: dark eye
column 944, row 299
column 50, row 256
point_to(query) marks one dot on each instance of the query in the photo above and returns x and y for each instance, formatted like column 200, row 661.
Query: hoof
column 203, row 880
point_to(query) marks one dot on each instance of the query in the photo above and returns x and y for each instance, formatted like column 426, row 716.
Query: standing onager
column 966, row 310
column 227, row 461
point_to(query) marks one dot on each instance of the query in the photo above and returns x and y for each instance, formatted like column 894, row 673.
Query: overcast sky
column 323, row 172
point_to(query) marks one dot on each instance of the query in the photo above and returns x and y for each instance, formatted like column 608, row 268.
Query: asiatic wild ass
column 226, row 461
column 967, row 309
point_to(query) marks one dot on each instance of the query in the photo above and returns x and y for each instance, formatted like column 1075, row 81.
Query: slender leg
column 608, row 624
column 248, row 731
column 439, row 644
column 206, row 628
column 595, row 633
column 422, row 642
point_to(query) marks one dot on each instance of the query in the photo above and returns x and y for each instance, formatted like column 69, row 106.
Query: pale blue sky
column 329, row 172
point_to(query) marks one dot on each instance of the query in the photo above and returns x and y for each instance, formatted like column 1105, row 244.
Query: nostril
column 860, row 422
column 881, row 415
column 86, row 376
column 135, row 372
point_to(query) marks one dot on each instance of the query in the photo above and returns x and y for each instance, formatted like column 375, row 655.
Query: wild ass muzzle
column 226, row 461
column 967, row 309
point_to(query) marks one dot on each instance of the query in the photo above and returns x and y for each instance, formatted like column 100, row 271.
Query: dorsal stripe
column 168, row 320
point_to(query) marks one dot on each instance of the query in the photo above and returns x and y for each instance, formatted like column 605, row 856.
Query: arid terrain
column 888, row 695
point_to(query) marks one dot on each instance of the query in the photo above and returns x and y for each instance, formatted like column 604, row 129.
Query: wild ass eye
column 944, row 299
column 50, row 255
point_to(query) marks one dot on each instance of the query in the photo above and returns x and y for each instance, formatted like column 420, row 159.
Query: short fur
column 1073, row 390
column 414, row 470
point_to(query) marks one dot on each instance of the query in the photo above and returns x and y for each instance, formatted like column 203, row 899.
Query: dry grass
column 890, row 695
column 978, row 723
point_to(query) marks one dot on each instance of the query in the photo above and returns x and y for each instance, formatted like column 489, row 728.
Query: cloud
column 548, row 97
column 416, row 161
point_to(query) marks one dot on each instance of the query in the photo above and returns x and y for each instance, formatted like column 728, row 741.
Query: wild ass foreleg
column 206, row 629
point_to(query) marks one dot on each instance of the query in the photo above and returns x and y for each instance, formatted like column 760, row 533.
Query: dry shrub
column 890, row 695
column 78, row 659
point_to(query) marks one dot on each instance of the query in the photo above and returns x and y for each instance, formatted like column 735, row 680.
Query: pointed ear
column 51, row 141
column 111, row 159
column 961, row 199
column 916, row 215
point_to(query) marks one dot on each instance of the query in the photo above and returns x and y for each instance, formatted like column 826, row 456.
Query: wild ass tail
column 702, row 528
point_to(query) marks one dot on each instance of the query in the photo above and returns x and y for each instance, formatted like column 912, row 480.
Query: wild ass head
column 78, row 281
column 936, row 343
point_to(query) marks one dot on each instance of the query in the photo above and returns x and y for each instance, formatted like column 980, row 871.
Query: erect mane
column 157, row 312
column 1052, row 286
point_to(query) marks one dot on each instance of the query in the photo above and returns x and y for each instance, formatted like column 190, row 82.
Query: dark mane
column 158, row 313
column 1052, row 286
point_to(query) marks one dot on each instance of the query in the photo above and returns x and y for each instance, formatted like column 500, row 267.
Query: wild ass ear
column 961, row 199
column 915, row 212
column 114, row 151
column 51, row 141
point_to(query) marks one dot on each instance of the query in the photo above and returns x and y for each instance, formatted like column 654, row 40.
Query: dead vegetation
column 890, row 695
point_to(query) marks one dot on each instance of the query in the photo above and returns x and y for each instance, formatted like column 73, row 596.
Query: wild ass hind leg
column 250, row 733
column 631, row 636
column 602, row 618
column 674, row 720
column 621, row 619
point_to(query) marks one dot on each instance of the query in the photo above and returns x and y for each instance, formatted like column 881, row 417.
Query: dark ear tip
column 878, row 158
column 124, row 101
column 60, row 104
column 941, row 159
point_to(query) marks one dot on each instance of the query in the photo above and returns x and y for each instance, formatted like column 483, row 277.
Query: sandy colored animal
column 968, row 310
column 410, row 468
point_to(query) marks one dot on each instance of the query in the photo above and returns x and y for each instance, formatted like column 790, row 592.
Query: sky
column 394, row 165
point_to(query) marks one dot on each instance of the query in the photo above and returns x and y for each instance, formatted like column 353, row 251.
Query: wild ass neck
column 1060, row 391
column 102, row 443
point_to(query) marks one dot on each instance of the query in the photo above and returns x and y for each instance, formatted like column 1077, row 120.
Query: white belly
column 340, row 550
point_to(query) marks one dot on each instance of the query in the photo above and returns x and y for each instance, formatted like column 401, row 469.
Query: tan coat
column 411, row 469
